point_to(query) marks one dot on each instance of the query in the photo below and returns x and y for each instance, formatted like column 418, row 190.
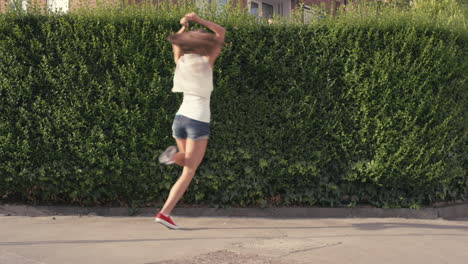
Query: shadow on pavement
column 360, row 226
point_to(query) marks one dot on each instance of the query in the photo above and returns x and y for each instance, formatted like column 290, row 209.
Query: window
column 267, row 10
column 211, row 5
column 200, row 4
column 254, row 8
column 222, row 3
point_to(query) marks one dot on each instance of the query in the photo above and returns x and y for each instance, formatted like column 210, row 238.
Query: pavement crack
column 312, row 248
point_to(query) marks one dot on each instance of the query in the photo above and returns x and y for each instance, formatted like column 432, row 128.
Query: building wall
column 5, row 4
column 72, row 4
column 76, row 4
column 332, row 5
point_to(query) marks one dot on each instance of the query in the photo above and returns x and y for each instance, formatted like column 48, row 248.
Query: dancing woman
column 195, row 53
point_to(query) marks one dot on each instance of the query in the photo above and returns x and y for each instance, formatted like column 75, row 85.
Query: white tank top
column 194, row 77
column 195, row 107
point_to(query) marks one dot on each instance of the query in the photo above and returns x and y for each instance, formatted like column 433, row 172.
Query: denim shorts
column 187, row 128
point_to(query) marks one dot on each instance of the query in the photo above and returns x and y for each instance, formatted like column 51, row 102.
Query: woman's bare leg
column 194, row 153
column 180, row 155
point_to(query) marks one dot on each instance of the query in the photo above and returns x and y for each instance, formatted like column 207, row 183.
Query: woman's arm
column 217, row 29
column 176, row 49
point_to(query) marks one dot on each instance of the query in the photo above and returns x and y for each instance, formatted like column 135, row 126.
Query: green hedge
column 324, row 114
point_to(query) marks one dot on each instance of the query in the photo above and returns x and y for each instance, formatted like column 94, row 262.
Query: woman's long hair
column 195, row 41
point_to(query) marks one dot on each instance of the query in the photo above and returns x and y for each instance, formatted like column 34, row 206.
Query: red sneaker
column 166, row 220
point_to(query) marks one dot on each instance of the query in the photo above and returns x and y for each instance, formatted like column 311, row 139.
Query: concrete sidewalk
column 133, row 240
column 449, row 211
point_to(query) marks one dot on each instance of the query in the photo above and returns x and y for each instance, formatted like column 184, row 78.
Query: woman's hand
column 192, row 17
column 184, row 22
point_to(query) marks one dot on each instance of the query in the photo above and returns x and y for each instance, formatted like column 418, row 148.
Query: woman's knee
column 192, row 160
column 180, row 158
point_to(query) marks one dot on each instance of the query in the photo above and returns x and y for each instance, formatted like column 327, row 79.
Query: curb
column 446, row 212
